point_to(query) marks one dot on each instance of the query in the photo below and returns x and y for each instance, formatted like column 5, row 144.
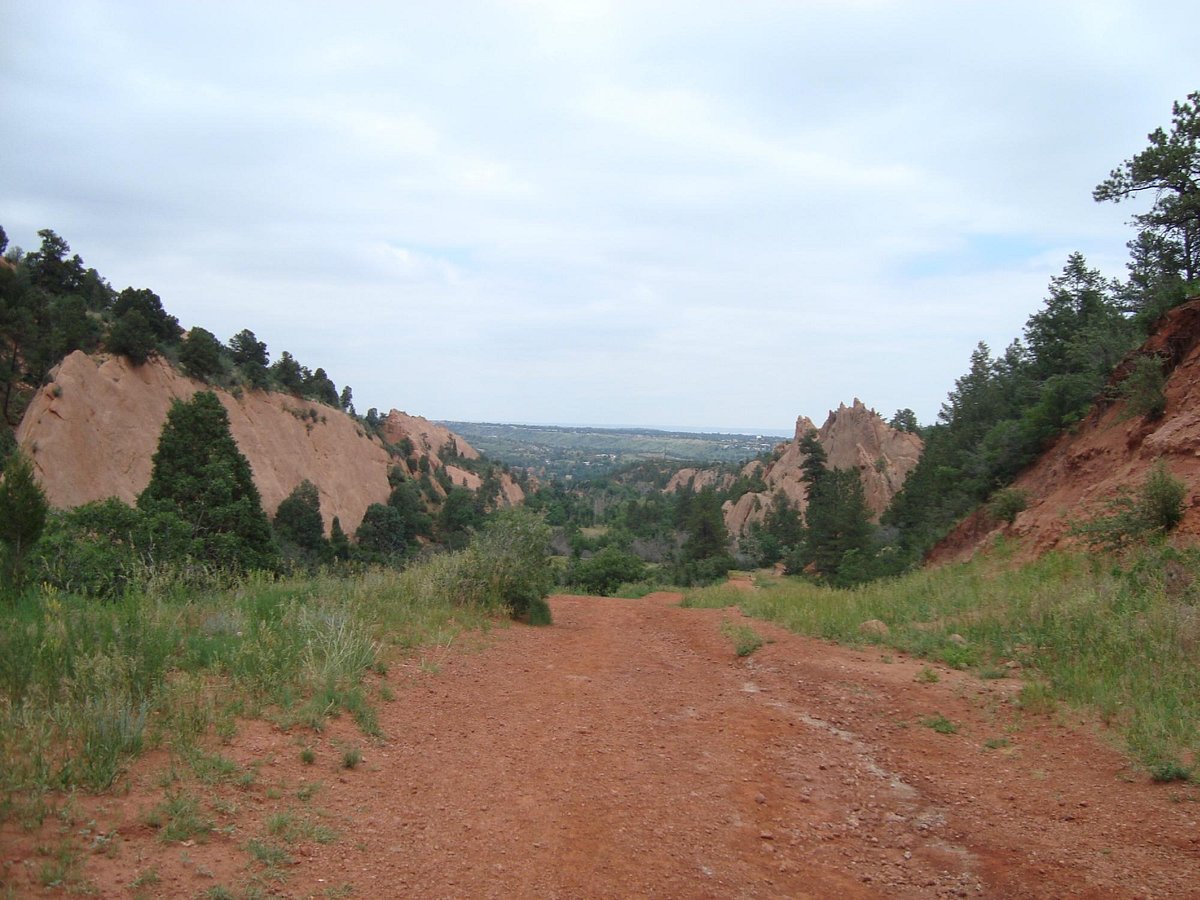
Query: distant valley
column 575, row 452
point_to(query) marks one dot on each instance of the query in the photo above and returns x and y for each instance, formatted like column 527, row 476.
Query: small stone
column 760, row 799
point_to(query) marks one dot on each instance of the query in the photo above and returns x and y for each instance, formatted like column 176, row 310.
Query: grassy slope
column 84, row 685
column 1120, row 640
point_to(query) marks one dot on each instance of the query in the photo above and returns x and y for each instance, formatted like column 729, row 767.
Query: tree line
column 52, row 303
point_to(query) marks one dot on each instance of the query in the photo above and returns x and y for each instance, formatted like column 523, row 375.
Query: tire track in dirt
column 625, row 751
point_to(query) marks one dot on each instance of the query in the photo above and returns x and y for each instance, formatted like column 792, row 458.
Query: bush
column 200, row 354
column 700, row 572
column 1144, row 388
column 605, row 571
column 298, row 520
column 105, row 548
column 510, row 559
column 1155, row 509
column 381, row 536
column 1006, row 504
column 23, row 511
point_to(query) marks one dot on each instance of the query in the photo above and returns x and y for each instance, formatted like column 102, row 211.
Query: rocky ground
column 627, row 751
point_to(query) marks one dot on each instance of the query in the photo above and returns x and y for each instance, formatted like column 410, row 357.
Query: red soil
column 626, row 751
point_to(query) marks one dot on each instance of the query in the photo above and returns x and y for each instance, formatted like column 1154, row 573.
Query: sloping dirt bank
column 627, row 752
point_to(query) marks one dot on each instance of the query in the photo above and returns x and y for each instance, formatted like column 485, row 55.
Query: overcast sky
column 650, row 213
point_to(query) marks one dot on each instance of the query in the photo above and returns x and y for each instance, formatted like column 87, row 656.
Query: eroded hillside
column 92, row 431
column 1111, row 450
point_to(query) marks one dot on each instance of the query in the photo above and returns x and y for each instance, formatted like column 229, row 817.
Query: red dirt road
column 626, row 751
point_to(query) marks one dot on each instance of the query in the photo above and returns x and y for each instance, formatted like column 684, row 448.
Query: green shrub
column 298, row 520
column 940, row 724
column 1144, row 388
column 745, row 639
column 1155, row 509
column 509, row 560
column 604, row 572
column 381, row 536
column 539, row 613
column 1006, row 504
column 105, row 548
column 23, row 510
column 200, row 354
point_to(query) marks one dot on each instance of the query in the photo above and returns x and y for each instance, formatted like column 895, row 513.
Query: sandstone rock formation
column 1107, row 452
column 699, row 479
column 91, row 433
column 853, row 437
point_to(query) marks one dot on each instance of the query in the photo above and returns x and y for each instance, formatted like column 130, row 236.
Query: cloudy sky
column 654, row 213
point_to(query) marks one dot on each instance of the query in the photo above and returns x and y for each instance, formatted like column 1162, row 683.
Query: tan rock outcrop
column 428, row 438
column 853, row 437
column 699, row 479
column 92, row 433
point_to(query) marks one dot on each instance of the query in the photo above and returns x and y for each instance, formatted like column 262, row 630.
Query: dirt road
column 626, row 751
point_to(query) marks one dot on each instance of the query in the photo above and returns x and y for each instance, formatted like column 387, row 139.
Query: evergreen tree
column 131, row 335
column 381, row 535
column 319, row 387
column 783, row 523
column 200, row 354
column 339, row 543
column 405, row 498
column 289, row 376
column 298, row 520
column 1169, row 169
column 838, row 525
column 200, row 474
column 164, row 326
column 23, row 510
column 250, row 356
column 458, row 517
column 905, row 420
column 707, row 534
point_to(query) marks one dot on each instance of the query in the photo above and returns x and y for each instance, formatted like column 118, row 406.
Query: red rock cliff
column 1109, row 451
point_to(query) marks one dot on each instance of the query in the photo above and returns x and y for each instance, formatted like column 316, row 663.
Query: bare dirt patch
column 626, row 751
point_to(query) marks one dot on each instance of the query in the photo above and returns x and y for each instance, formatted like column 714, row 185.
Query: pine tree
column 200, row 474
column 298, row 519
column 23, row 510
column 707, row 535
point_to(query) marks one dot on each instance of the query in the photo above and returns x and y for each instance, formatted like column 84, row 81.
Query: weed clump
column 1129, row 518
column 940, row 724
column 745, row 639
column 1007, row 503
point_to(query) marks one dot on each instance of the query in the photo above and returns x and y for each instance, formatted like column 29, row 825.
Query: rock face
column 1108, row 451
column 699, row 479
column 92, row 431
column 853, row 437
column 429, row 440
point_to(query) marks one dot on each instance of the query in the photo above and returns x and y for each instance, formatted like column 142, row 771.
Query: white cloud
column 658, row 212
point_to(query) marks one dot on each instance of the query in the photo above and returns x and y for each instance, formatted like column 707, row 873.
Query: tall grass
column 1120, row 637
column 85, row 685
